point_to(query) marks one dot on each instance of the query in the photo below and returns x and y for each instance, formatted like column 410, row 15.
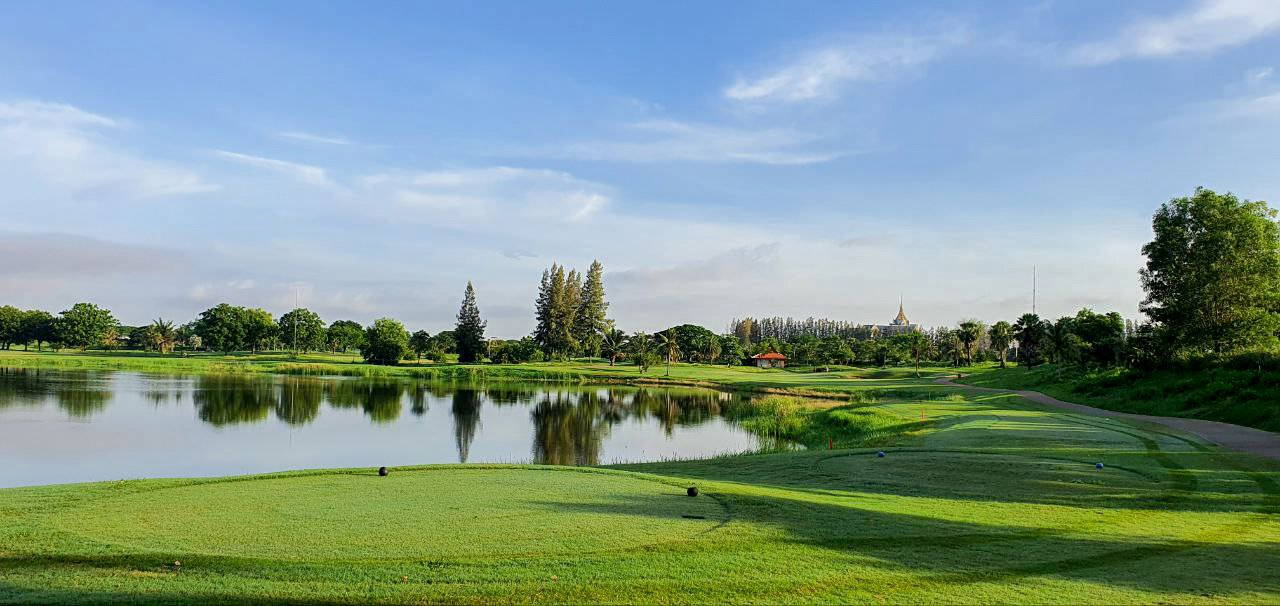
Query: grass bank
column 1238, row 394
column 838, row 382
column 980, row 498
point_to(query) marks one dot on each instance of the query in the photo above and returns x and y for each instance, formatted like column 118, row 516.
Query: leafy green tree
column 614, row 345
column 1059, row 344
column 970, row 333
column 85, row 325
column 443, row 343
column 302, row 330
column 344, row 335
column 915, row 344
column 1030, row 331
column 420, row 343
column 10, row 326
column 222, row 328
column 1001, row 337
column 833, row 350
column 385, row 342
column 470, row 329
column 37, row 326
column 1102, row 336
column 691, row 339
column 590, row 321
column 1212, row 276
column 259, row 328
column 731, row 352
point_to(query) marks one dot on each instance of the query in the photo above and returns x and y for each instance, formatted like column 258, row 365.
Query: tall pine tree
column 542, row 313
column 590, row 321
column 470, row 330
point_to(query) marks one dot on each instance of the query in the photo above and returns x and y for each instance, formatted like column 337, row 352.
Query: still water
column 77, row 426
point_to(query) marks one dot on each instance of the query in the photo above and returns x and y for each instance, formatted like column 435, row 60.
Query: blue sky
column 720, row 159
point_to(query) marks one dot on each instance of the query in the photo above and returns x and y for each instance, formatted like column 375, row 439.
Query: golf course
column 921, row 493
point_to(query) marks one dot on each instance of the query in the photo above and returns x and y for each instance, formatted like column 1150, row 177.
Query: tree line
column 1212, row 283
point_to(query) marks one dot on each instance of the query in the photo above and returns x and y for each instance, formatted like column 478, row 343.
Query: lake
column 78, row 426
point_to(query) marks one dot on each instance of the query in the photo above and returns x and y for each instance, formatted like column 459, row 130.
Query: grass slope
column 1243, row 396
column 988, row 499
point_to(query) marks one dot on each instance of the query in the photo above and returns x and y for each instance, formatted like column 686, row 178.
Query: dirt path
column 1226, row 435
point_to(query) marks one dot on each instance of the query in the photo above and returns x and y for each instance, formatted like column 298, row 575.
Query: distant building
column 770, row 359
column 898, row 326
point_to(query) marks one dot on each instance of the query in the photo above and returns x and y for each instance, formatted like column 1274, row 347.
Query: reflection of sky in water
column 60, row 426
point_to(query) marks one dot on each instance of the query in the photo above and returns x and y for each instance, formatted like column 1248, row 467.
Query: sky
column 721, row 159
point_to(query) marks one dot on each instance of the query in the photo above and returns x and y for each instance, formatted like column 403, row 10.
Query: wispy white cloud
column 825, row 71
column 314, row 138
column 675, row 141
column 311, row 175
column 1205, row 26
column 486, row 193
column 72, row 151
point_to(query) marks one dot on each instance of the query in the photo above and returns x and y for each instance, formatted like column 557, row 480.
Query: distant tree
column 470, row 329
column 590, row 321
column 543, row 329
column 443, row 343
column 420, row 343
column 669, row 344
column 160, row 335
column 712, row 349
column 189, row 337
column 259, row 328
column 833, row 350
column 1102, row 336
column 302, row 330
column 385, row 342
column 614, row 345
column 85, row 325
column 691, row 339
column 1030, row 331
column 743, row 330
column 641, row 350
column 731, row 352
column 1001, row 337
column 344, row 335
column 1060, row 340
column 37, row 326
column 1213, row 272
column 970, row 333
column 10, row 326
column 916, row 345
column 222, row 328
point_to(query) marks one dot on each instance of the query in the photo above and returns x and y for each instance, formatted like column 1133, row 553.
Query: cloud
column 66, row 150
column 489, row 193
column 519, row 254
column 313, row 138
column 823, row 72
column 1206, row 26
column 311, row 175
column 675, row 141
column 871, row 241
column 728, row 266
column 69, row 256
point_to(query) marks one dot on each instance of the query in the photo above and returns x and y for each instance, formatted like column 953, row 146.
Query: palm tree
column 1059, row 338
column 613, row 345
column 1030, row 332
column 918, row 345
column 970, row 334
column 1001, row 336
column 667, row 341
column 162, row 335
column 640, row 346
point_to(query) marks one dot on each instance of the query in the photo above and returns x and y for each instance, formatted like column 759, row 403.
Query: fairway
column 980, row 498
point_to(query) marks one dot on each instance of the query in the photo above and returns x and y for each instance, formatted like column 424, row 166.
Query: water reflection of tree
column 569, row 429
column 299, row 400
column 231, row 399
column 418, row 403
column 79, row 394
column 379, row 398
column 466, row 419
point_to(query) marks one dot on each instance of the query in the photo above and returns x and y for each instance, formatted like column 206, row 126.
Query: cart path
column 1233, row 437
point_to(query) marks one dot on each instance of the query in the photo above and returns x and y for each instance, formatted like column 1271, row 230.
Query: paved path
column 1226, row 435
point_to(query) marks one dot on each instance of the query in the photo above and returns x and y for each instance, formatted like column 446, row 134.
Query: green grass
column 1243, row 396
column 981, row 498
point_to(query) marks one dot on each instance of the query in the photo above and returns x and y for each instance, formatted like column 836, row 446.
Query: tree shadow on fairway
column 1223, row 558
